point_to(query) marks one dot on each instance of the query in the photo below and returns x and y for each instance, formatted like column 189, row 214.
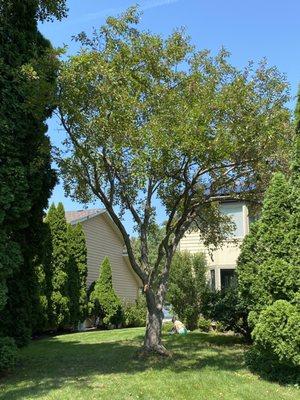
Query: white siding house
column 222, row 262
column 103, row 239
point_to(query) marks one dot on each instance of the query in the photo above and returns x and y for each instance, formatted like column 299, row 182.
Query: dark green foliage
column 50, row 9
column 59, row 264
column 275, row 280
column 135, row 313
column 8, row 353
column 226, row 307
column 44, row 278
column 276, row 350
column 27, row 80
column 269, row 279
column 90, row 304
column 204, row 324
column 278, row 331
column 105, row 302
column 268, row 266
column 77, row 274
column 265, row 364
column 187, row 285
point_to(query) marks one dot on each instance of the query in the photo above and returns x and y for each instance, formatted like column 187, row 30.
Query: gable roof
column 73, row 217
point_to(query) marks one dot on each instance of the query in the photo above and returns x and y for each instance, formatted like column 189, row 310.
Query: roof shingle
column 72, row 216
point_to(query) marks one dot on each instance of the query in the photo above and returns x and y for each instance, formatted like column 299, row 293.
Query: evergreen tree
column 27, row 80
column 59, row 265
column 106, row 304
column 44, row 279
column 77, row 274
column 269, row 275
column 267, row 268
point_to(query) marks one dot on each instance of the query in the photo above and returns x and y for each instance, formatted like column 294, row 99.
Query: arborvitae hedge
column 105, row 303
column 267, row 268
column 27, row 90
column 59, row 266
column 77, row 274
column 269, row 278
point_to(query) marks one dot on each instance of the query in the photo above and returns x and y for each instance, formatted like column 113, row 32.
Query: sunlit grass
column 106, row 365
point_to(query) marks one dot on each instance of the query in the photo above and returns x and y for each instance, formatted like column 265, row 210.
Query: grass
column 105, row 365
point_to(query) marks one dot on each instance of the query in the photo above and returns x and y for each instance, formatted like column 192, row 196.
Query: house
column 103, row 239
column 222, row 262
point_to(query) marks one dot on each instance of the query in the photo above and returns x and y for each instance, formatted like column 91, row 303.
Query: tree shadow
column 53, row 363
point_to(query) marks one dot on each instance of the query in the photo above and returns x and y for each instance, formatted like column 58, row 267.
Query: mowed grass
column 105, row 365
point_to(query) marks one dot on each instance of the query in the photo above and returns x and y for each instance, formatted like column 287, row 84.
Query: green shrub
column 8, row 353
column 187, row 284
column 134, row 314
column 277, row 331
column 104, row 302
column 204, row 324
column 265, row 364
column 227, row 309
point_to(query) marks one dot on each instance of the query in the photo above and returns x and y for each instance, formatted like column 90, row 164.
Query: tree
column 269, row 273
column 28, row 69
column 267, row 267
column 187, row 285
column 77, row 274
column 59, row 266
column 152, row 121
column 106, row 304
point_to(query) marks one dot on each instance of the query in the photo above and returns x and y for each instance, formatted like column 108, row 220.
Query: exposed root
column 159, row 350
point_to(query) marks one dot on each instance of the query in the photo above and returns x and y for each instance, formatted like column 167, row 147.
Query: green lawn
column 104, row 365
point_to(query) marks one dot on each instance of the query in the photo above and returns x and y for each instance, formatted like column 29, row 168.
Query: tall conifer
column 28, row 68
column 106, row 303
column 77, row 274
column 60, row 312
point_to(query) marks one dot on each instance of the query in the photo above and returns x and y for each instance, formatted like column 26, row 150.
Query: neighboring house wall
column 222, row 262
column 104, row 240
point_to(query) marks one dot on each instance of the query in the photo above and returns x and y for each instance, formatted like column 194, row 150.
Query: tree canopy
column 151, row 119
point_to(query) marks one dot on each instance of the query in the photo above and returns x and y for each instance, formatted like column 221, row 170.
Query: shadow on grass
column 52, row 363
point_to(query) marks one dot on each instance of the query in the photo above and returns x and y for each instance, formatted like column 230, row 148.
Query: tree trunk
column 152, row 341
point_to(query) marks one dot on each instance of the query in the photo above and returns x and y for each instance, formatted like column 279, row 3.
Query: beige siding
column 222, row 258
column 225, row 256
column 102, row 240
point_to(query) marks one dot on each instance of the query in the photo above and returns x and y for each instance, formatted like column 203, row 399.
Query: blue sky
column 250, row 30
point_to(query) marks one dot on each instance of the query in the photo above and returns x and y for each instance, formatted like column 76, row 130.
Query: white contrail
column 143, row 5
column 156, row 3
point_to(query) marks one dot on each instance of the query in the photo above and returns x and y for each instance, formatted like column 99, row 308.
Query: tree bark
column 152, row 341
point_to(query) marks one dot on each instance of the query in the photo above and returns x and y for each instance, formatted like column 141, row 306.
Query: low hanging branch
column 144, row 130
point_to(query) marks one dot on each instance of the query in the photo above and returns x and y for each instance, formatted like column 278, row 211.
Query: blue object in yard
column 167, row 313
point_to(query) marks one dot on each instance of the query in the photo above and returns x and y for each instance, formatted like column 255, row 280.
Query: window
column 235, row 212
column 228, row 278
